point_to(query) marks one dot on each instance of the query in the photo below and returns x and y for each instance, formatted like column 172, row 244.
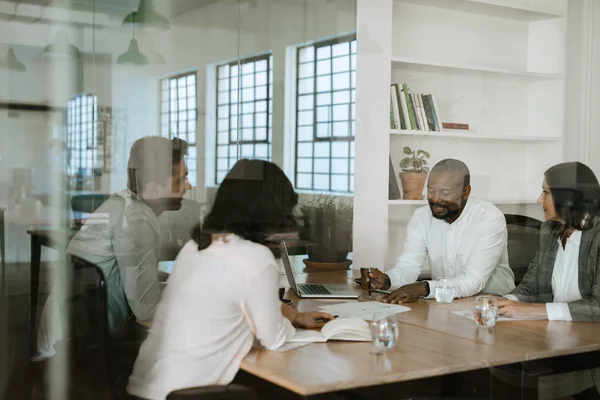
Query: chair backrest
column 523, row 242
column 88, row 203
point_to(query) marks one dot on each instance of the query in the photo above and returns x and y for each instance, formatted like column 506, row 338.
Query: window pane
column 248, row 94
column 339, row 166
column 322, row 149
column 321, row 182
column 307, row 54
column 305, row 118
column 305, row 102
column 247, row 108
column 306, row 70
column 261, row 92
column 341, row 129
column 305, row 150
column 324, row 83
column 341, row 81
column 323, row 114
column 304, row 165
column 323, row 99
column 260, row 119
column 261, row 78
column 322, row 165
column 261, row 65
column 247, row 135
column 304, row 181
column 339, row 183
column 260, row 106
column 305, row 133
column 340, row 149
column 340, row 113
column 341, row 64
column 260, row 134
column 323, row 130
column 247, row 81
column 353, row 46
column 248, row 68
column 261, row 151
column 305, row 85
column 324, row 67
column 323, row 52
column 340, row 49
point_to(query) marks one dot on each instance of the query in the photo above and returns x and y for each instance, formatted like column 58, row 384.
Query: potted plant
column 328, row 227
column 414, row 173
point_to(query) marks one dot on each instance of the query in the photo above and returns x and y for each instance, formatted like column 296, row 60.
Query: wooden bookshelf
column 470, row 134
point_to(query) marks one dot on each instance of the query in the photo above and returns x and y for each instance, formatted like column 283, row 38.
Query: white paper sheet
column 471, row 316
column 363, row 310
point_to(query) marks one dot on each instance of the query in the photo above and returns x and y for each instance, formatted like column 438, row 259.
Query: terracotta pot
column 412, row 185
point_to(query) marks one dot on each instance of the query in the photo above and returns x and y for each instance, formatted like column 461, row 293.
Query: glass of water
column 384, row 332
column 444, row 291
column 486, row 311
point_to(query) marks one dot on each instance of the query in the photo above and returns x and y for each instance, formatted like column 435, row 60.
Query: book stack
column 412, row 111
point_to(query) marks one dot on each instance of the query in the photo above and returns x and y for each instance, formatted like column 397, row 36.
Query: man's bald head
column 456, row 167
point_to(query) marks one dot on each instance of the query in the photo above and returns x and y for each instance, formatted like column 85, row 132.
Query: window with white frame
column 82, row 117
column 325, row 115
column 244, row 112
column 178, row 115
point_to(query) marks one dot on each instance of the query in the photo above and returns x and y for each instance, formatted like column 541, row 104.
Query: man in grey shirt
column 126, row 246
column 122, row 237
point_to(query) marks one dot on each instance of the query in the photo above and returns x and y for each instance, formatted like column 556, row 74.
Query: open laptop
column 305, row 290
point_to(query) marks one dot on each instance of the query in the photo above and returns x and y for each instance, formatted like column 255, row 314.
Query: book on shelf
column 393, row 188
column 436, row 109
column 411, row 108
column 423, row 114
column 392, row 121
column 396, row 113
column 405, row 115
column 454, row 125
column 348, row 329
column 430, row 113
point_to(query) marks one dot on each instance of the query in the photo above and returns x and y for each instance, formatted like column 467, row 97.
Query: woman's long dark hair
column 576, row 194
column 254, row 200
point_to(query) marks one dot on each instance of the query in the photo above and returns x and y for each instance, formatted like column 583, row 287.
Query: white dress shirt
column 565, row 279
column 216, row 302
column 471, row 251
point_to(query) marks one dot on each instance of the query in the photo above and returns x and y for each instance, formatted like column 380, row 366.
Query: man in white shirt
column 463, row 239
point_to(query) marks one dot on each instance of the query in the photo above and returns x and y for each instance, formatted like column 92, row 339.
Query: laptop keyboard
column 313, row 289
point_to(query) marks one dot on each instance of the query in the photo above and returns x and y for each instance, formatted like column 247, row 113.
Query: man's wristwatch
column 427, row 289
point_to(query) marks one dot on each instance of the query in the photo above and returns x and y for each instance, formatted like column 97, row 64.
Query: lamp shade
column 133, row 55
column 61, row 46
column 147, row 17
column 11, row 62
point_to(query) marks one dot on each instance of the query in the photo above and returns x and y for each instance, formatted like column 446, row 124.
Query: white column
column 374, row 44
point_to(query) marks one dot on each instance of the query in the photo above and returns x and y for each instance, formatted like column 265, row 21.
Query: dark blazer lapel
column 547, row 268
column 586, row 269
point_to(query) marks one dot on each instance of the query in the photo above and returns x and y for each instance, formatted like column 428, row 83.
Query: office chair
column 523, row 242
column 229, row 392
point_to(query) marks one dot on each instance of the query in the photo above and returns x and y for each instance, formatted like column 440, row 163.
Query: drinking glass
column 486, row 311
column 444, row 291
column 384, row 332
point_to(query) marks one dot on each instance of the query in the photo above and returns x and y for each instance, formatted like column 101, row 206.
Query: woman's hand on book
column 311, row 320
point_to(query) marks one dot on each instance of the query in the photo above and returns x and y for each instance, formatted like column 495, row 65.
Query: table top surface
column 432, row 341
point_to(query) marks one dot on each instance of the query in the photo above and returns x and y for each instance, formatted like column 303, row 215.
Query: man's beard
column 448, row 213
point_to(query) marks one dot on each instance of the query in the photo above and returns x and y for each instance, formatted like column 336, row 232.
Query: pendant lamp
column 61, row 46
column 11, row 62
column 147, row 17
column 133, row 55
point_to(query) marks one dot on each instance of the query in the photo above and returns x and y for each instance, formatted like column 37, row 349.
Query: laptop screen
column 287, row 266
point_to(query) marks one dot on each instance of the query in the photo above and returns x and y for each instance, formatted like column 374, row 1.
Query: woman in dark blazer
column 563, row 281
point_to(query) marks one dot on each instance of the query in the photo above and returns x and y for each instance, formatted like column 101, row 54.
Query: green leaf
column 408, row 151
column 406, row 163
column 423, row 152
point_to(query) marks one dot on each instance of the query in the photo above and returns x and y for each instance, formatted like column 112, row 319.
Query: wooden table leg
column 36, row 253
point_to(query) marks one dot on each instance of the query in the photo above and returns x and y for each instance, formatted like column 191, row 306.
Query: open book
column 351, row 329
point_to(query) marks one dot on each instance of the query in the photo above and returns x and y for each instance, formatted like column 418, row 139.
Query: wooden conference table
column 432, row 342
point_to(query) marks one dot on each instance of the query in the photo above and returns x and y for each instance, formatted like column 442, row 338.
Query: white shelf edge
column 489, row 8
column 476, row 68
column 497, row 201
column 469, row 134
